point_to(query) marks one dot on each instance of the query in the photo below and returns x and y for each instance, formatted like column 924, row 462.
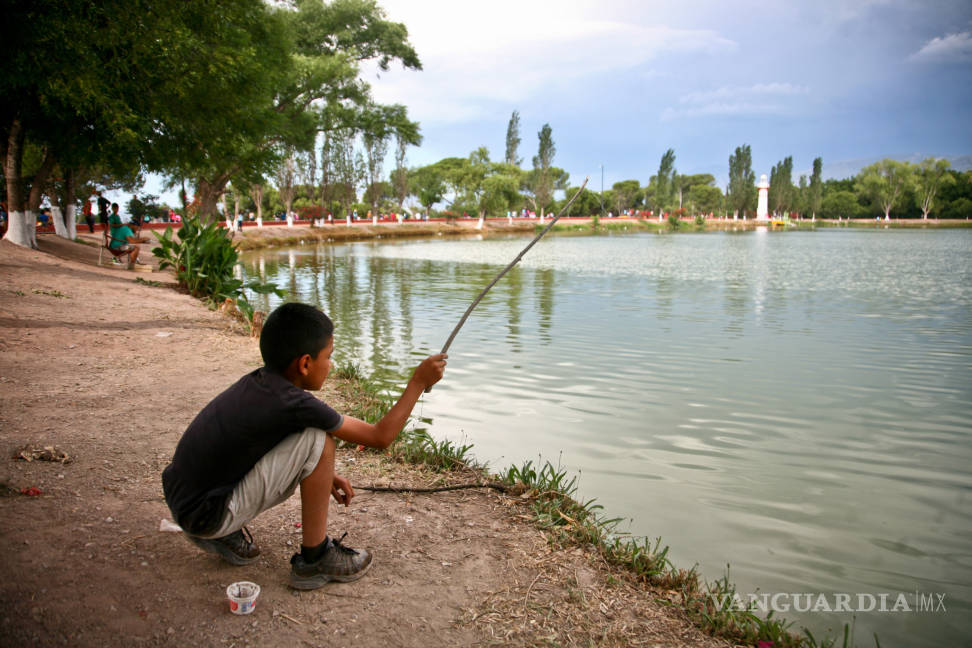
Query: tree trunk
column 57, row 218
column 65, row 222
column 208, row 193
column 256, row 193
column 70, row 196
column 21, row 228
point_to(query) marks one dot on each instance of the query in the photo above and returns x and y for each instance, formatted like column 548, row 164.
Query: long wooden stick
column 512, row 263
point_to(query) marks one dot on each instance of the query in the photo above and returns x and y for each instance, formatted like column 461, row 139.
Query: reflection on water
column 798, row 405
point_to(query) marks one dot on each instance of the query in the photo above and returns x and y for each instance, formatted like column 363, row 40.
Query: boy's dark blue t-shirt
column 229, row 436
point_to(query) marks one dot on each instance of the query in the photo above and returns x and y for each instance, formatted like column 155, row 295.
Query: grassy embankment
column 567, row 522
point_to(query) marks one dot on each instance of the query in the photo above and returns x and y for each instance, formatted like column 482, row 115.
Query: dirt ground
column 109, row 370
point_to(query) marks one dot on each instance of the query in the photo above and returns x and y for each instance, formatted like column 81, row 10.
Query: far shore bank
column 279, row 234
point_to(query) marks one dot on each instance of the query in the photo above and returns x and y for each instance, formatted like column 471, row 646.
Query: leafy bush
column 674, row 222
column 203, row 257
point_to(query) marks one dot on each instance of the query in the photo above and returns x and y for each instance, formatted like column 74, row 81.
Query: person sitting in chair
column 124, row 239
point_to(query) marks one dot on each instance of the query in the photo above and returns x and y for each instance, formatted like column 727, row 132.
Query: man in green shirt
column 123, row 238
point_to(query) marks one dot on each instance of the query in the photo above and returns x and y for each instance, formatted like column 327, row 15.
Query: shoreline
column 280, row 235
column 108, row 367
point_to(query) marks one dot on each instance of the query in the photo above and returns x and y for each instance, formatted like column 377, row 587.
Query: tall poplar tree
column 781, row 190
column 742, row 181
column 543, row 186
column 816, row 188
column 513, row 140
column 664, row 180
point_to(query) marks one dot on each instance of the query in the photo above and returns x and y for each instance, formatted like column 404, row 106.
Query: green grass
column 568, row 522
column 52, row 293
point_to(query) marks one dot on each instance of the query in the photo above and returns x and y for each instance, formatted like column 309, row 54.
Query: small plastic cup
column 242, row 597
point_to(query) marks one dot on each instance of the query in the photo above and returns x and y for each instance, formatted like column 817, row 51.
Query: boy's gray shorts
column 273, row 479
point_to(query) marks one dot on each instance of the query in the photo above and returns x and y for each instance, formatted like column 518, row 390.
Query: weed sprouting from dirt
column 51, row 293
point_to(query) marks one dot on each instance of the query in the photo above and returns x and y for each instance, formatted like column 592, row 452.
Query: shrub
column 203, row 257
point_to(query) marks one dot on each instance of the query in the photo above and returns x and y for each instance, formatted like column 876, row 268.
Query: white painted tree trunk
column 71, row 221
column 349, row 220
column 59, row 227
column 21, row 229
column 290, row 219
column 259, row 221
column 479, row 225
column 374, row 219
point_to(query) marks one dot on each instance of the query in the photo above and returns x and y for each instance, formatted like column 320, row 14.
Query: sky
column 621, row 81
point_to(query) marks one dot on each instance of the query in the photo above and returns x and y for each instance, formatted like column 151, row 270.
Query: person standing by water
column 88, row 216
column 103, row 205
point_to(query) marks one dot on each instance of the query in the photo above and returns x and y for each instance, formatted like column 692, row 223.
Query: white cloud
column 731, row 92
column 756, row 99
column 477, row 58
column 951, row 48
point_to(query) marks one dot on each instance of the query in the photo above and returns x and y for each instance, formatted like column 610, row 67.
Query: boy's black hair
column 291, row 331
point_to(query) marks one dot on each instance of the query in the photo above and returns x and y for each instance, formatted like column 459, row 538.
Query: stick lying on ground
column 519, row 256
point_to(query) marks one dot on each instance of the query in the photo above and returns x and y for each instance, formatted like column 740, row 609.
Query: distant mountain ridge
column 849, row 168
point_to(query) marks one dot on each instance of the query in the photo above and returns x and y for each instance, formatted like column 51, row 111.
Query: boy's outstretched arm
column 381, row 434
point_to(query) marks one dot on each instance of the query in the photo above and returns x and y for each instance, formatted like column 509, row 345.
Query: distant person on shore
column 103, row 205
column 123, row 238
column 88, row 216
column 252, row 445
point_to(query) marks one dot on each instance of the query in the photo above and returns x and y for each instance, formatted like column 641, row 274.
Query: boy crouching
column 250, row 448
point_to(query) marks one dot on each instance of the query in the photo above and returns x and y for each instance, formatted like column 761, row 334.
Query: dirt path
column 110, row 372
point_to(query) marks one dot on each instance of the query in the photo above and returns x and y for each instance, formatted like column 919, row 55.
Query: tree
column 513, row 140
column 348, row 166
column 625, row 193
column 884, row 182
column 705, row 197
column 288, row 75
column 543, row 181
column 930, row 175
column 76, row 105
column 256, row 194
column 454, row 172
column 781, row 189
column 841, row 204
column 399, row 177
column 428, row 184
column 287, row 180
column 742, row 181
column 587, row 203
column 376, row 148
column 663, row 181
column 802, row 201
column 816, row 188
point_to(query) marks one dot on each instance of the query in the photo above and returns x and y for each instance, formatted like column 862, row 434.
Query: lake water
column 796, row 404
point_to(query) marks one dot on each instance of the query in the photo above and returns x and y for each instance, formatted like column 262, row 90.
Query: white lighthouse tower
column 762, row 205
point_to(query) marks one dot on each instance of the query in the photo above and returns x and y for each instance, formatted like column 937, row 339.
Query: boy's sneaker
column 236, row 548
column 339, row 563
